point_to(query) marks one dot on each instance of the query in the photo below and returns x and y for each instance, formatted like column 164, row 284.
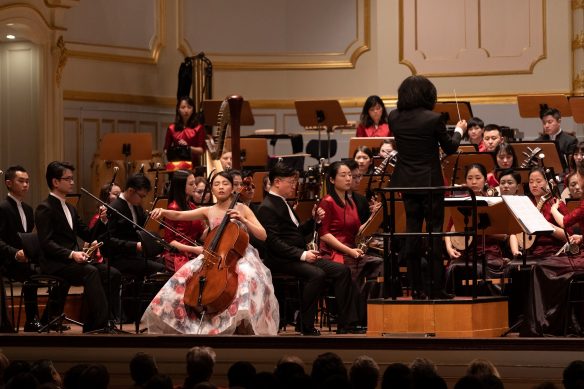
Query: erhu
column 569, row 248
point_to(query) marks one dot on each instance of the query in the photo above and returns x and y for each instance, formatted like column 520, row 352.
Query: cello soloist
column 254, row 309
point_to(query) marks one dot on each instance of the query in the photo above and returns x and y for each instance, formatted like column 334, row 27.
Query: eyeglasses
column 68, row 178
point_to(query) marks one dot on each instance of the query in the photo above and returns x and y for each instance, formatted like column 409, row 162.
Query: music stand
column 320, row 114
column 126, row 146
column 451, row 109
column 577, row 107
column 531, row 106
column 548, row 148
column 453, row 165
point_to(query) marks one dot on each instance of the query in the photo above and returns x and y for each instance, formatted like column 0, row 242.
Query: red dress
column 342, row 223
column 195, row 137
column 381, row 131
column 546, row 245
column 192, row 229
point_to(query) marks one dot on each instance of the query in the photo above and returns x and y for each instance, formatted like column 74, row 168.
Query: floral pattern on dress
column 254, row 309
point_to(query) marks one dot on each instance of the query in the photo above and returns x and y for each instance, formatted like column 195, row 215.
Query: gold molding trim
column 62, row 60
column 578, row 41
column 577, row 4
column 349, row 102
column 532, row 65
column 270, row 64
column 60, row 3
column 578, row 84
column 150, row 56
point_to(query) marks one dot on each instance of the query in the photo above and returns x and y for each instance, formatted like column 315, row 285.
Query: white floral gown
column 254, row 309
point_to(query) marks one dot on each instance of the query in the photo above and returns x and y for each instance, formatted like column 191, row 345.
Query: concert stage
column 522, row 362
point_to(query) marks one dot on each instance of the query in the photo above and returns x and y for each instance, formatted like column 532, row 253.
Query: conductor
column 419, row 133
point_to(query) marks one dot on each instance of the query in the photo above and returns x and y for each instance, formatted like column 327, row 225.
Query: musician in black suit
column 286, row 253
column 551, row 119
column 16, row 217
column 58, row 226
column 124, row 246
column 418, row 132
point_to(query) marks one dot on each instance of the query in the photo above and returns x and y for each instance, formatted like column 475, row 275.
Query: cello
column 212, row 288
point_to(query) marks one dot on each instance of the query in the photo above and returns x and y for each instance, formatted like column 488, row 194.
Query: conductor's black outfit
column 418, row 132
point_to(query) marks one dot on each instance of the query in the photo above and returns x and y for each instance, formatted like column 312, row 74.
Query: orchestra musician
column 494, row 247
column 573, row 189
column 254, row 309
column 418, row 131
column 373, row 119
column 474, row 134
column 338, row 230
column 58, row 226
column 492, row 136
column 286, row 253
column 182, row 233
column 551, row 120
column 504, row 158
column 124, row 246
column 185, row 138
column 364, row 157
column 17, row 216
column 386, row 148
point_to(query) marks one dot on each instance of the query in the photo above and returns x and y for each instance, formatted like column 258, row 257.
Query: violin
column 212, row 288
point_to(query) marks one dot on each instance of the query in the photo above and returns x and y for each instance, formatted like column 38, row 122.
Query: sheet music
column 490, row 201
column 530, row 219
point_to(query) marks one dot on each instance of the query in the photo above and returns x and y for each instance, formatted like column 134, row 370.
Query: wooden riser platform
column 462, row 317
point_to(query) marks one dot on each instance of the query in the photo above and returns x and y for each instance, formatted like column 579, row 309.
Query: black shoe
column 419, row 295
column 351, row 330
column 310, row 332
column 33, row 326
column 442, row 295
column 59, row 327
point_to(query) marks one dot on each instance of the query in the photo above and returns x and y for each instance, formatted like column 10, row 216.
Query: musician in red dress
column 185, row 138
column 373, row 119
column 182, row 234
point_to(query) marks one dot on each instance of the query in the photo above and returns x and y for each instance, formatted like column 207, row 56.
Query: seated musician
column 577, row 157
column 58, row 226
column 226, row 160
column 509, row 181
column 361, row 202
column 492, row 136
column 504, row 158
column 254, row 308
column 492, row 248
column 17, row 216
column 124, row 247
column 475, row 128
column 386, row 148
column 373, row 120
column 545, row 246
column 181, row 235
column 573, row 191
column 286, row 253
column 201, row 189
column 551, row 120
column 339, row 228
column 547, row 307
column 364, row 157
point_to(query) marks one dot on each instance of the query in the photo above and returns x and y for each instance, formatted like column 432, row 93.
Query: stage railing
column 391, row 266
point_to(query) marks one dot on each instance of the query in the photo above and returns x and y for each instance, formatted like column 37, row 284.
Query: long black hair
column 331, row 175
column 177, row 189
column 416, row 92
column 192, row 121
column 372, row 101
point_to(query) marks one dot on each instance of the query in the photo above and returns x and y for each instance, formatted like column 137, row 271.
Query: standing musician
column 17, row 216
column 373, row 120
column 418, row 131
column 58, row 226
column 254, row 309
column 551, row 119
column 185, row 138
column 338, row 230
column 181, row 234
column 124, row 246
column 286, row 253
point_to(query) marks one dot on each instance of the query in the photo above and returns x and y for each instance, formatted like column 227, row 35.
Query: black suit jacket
column 123, row 238
column 565, row 144
column 56, row 238
column 285, row 242
column 418, row 133
column 10, row 226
